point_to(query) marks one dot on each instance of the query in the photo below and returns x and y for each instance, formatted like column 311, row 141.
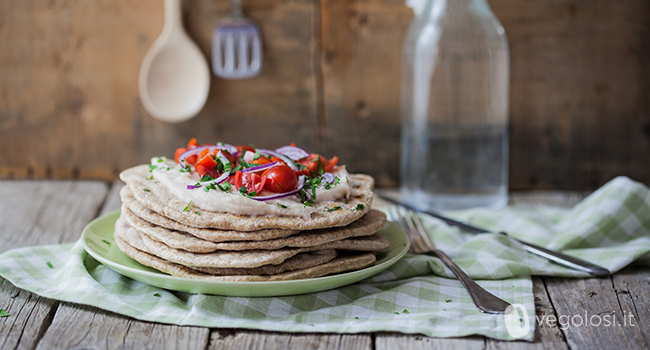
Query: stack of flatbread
column 158, row 230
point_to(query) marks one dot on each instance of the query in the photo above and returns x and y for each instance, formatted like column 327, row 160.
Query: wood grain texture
column 254, row 340
column 590, row 315
column 580, row 91
column 83, row 327
column 396, row 341
column 632, row 287
column 36, row 213
column 30, row 315
column 361, row 65
column 70, row 104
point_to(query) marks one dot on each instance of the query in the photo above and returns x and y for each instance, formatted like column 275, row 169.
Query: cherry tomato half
column 280, row 179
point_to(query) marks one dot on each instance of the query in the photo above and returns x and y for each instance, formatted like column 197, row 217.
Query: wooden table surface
column 49, row 212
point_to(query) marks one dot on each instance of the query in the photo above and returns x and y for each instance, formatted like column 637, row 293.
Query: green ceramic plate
column 98, row 241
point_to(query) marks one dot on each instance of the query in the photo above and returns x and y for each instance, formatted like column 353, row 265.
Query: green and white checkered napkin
column 417, row 295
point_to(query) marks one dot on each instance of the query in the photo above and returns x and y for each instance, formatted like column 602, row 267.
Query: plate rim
column 374, row 269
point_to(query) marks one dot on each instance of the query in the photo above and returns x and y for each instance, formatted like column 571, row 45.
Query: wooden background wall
column 69, row 105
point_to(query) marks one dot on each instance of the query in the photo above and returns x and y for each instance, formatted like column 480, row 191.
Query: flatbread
column 300, row 261
column 237, row 259
column 208, row 234
column 365, row 226
column 241, row 259
column 159, row 199
column 340, row 264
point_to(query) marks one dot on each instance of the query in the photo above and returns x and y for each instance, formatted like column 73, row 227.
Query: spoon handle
column 173, row 20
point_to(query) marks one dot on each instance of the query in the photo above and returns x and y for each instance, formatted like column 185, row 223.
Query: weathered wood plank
column 590, row 315
column 69, row 95
column 35, row 213
column 30, row 315
column 632, row 286
column 396, row 341
column 113, row 201
column 361, row 46
column 252, row 340
column 84, row 327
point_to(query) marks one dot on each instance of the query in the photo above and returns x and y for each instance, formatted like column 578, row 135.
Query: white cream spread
column 168, row 173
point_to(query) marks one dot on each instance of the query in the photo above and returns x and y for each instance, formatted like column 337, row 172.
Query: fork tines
column 410, row 222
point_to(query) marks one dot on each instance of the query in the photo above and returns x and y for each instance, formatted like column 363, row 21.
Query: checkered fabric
column 610, row 228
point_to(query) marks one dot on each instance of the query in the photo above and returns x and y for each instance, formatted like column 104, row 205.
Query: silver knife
column 556, row 257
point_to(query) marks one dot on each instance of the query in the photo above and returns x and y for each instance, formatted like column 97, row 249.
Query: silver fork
column 236, row 46
column 421, row 244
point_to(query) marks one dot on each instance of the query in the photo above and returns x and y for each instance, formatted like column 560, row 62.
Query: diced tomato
column 311, row 164
column 280, row 179
column 191, row 160
column 192, row 144
column 230, row 157
column 178, row 153
column 207, row 161
column 330, row 164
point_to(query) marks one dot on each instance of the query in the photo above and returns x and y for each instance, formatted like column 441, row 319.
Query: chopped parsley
column 257, row 154
column 188, row 206
column 320, row 167
column 146, row 190
column 197, row 212
column 243, row 190
column 334, row 208
column 356, row 318
column 359, row 207
column 150, row 177
column 49, row 264
column 160, row 160
column 226, row 186
column 157, row 295
column 447, row 300
column 334, row 183
column 281, row 205
column 185, row 168
column 206, row 178
column 106, row 242
column 4, row 313
column 152, row 167
column 405, row 311
column 396, row 313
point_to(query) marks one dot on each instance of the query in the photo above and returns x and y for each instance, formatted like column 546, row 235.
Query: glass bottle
column 455, row 82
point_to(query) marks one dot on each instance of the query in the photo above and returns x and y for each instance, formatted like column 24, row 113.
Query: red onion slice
column 328, row 177
column 223, row 177
column 284, row 158
column 293, row 152
column 299, row 186
column 228, row 147
column 260, row 167
column 198, row 150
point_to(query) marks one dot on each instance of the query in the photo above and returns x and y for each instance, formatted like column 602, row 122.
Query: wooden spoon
column 174, row 78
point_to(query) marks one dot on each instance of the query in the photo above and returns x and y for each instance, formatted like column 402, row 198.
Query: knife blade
column 556, row 257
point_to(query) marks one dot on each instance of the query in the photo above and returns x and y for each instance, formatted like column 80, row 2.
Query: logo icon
column 517, row 323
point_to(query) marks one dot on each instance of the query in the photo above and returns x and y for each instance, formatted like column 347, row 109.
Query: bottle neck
column 436, row 8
